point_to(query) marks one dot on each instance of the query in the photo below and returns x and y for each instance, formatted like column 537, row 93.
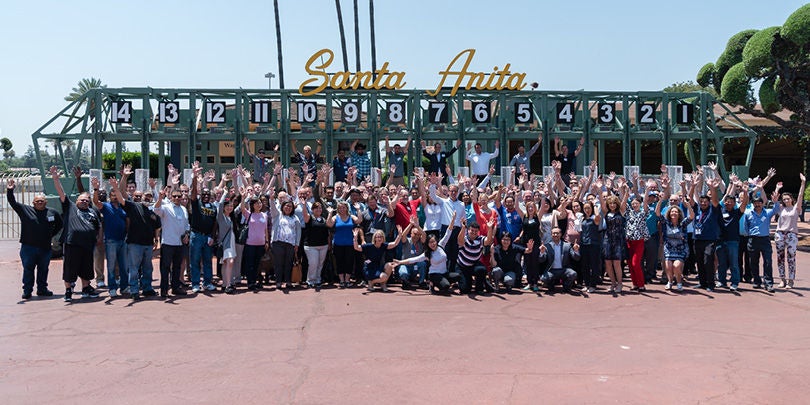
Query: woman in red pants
column 636, row 233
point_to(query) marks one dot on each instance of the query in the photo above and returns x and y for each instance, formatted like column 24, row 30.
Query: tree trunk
column 278, row 46
column 356, row 37
column 373, row 41
column 342, row 37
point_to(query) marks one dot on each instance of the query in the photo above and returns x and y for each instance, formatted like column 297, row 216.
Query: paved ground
column 345, row 346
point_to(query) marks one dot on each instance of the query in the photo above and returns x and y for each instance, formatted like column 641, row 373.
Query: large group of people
column 276, row 228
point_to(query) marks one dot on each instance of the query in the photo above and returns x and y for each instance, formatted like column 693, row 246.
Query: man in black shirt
column 566, row 159
column 82, row 233
column 38, row 225
column 203, row 218
column 438, row 159
column 142, row 223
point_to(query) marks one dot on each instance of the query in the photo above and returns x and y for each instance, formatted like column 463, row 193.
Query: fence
column 24, row 191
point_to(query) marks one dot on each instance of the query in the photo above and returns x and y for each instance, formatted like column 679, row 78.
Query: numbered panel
column 523, row 113
column 565, row 113
column 168, row 112
column 121, row 112
column 481, row 112
column 683, row 114
column 606, row 113
column 215, row 112
column 439, row 112
column 646, row 113
column 260, row 112
column 350, row 112
column 307, row 112
column 395, row 112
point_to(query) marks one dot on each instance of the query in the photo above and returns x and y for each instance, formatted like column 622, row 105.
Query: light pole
column 269, row 77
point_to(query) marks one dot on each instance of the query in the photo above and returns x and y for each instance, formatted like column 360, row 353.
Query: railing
column 24, row 191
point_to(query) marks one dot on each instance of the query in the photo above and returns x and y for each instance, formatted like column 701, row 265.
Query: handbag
column 295, row 276
column 243, row 232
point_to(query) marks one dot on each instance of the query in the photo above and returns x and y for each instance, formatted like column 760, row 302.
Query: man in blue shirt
column 114, row 219
column 340, row 165
column 758, row 224
column 729, row 244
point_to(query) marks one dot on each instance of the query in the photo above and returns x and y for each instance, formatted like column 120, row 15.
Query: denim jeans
column 32, row 256
column 407, row 271
column 116, row 253
column 761, row 245
column 199, row 250
column 727, row 258
column 140, row 267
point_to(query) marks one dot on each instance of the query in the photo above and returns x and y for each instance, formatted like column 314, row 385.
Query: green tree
column 687, row 87
column 82, row 87
column 776, row 58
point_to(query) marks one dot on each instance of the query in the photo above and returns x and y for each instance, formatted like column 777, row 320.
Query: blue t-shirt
column 510, row 221
column 759, row 224
column 115, row 222
column 707, row 223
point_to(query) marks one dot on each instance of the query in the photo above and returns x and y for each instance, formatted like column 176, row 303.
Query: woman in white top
column 432, row 210
column 436, row 257
column 785, row 237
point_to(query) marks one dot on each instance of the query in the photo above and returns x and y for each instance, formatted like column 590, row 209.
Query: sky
column 48, row 46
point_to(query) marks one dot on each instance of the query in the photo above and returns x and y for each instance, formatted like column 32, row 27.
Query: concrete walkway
column 348, row 346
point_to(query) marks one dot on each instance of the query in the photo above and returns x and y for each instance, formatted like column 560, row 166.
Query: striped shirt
column 470, row 253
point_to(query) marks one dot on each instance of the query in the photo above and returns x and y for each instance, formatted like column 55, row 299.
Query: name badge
column 698, row 231
column 51, row 218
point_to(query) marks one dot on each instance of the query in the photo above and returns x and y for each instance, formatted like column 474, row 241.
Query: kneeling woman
column 435, row 255
column 374, row 270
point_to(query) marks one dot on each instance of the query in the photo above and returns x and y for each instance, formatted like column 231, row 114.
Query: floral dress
column 613, row 243
column 675, row 244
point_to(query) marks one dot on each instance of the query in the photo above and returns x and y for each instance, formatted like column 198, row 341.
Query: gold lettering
column 519, row 85
column 478, row 77
column 398, row 83
column 461, row 73
column 341, row 80
column 320, row 73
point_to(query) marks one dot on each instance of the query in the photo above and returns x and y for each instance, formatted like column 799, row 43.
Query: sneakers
column 45, row 293
column 733, row 287
column 196, row 289
column 591, row 289
column 757, row 286
column 769, row 288
column 783, row 284
column 789, row 285
column 718, row 284
column 69, row 295
column 89, row 292
column 668, row 286
column 113, row 293
column 230, row 290
column 528, row 287
column 101, row 284
column 210, row 287
column 584, row 289
column 680, row 287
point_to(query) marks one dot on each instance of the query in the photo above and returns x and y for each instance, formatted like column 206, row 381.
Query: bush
column 768, row 96
column 131, row 158
column 705, row 75
column 756, row 55
column 735, row 88
column 797, row 26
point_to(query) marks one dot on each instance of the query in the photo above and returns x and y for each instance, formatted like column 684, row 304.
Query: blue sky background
column 48, row 46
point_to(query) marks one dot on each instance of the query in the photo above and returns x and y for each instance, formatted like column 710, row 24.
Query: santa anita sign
column 498, row 79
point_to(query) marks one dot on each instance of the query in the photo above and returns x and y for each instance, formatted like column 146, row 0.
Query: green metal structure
column 183, row 125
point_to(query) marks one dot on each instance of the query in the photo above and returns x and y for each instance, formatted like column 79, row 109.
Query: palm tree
column 84, row 86
column 373, row 41
column 342, row 37
column 278, row 45
column 356, row 36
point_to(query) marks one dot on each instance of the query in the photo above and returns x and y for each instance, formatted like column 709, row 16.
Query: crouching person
column 436, row 257
column 506, row 261
column 374, row 271
column 413, row 244
column 471, row 245
column 558, row 256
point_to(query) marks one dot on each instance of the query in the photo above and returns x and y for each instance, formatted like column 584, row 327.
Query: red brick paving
column 346, row 346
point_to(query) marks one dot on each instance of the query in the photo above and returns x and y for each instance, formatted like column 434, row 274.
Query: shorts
column 78, row 262
column 371, row 272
